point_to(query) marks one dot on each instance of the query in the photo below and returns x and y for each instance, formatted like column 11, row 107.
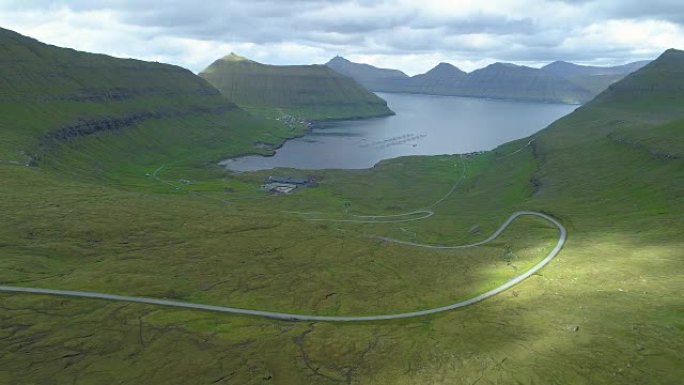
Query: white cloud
column 407, row 34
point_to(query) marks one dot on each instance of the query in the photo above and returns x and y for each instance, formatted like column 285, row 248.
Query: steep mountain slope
column 509, row 81
column 640, row 115
column 309, row 92
column 595, row 79
column 100, row 112
column 656, row 88
column 367, row 75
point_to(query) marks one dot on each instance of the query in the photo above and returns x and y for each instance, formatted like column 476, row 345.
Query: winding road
column 394, row 218
column 562, row 236
column 411, row 216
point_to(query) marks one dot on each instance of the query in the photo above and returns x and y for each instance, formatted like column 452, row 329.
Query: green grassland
column 313, row 92
column 94, row 115
column 106, row 211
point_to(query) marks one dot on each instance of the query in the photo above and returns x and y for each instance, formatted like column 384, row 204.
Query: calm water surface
column 423, row 125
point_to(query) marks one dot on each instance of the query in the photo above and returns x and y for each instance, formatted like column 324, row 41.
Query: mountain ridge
column 339, row 63
column 311, row 92
column 546, row 84
column 564, row 68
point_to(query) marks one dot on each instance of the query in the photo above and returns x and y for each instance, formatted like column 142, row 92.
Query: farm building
column 286, row 184
column 290, row 180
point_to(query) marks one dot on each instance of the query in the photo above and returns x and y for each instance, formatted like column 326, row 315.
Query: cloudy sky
column 412, row 35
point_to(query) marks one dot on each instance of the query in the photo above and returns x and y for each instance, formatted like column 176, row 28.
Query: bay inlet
column 423, row 125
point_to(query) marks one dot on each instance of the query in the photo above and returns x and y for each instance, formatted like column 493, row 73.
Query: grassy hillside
column 307, row 92
column 607, row 311
column 593, row 78
column 80, row 111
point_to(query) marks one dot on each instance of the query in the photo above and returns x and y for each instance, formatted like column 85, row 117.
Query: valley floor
column 604, row 311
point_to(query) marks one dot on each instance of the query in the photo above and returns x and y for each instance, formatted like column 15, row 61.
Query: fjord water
column 423, row 125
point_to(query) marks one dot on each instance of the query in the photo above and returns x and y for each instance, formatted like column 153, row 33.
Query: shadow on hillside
column 608, row 313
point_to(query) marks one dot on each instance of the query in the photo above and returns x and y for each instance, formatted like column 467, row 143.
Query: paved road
column 417, row 215
column 306, row 317
column 411, row 216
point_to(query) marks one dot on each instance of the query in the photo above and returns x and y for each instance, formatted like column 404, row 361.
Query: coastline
column 387, row 138
column 310, row 125
column 500, row 98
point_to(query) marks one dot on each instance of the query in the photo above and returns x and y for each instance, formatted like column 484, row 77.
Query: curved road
column 424, row 214
column 562, row 236
column 415, row 215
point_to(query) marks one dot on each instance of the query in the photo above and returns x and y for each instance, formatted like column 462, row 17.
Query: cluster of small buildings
column 286, row 184
column 292, row 121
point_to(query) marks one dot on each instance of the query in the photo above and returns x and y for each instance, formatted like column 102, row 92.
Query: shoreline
column 310, row 126
column 299, row 154
column 499, row 98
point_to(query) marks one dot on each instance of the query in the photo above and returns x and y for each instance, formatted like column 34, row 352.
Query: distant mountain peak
column 445, row 69
column 500, row 67
column 338, row 59
column 233, row 57
column 363, row 73
column 672, row 53
column 506, row 65
column 561, row 65
column 445, row 65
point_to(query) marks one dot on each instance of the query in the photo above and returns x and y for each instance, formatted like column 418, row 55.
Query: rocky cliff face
column 85, row 127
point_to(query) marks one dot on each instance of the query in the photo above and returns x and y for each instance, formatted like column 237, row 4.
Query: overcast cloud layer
column 409, row 35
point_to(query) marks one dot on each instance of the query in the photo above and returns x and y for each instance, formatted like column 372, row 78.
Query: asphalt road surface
column 562, row 236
